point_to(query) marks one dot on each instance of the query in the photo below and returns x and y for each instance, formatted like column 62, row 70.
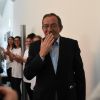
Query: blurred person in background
column 29, row 84
column 10, row 47
column 2, row 57
column 37, row 37
column 17, row 68
column 31, row 36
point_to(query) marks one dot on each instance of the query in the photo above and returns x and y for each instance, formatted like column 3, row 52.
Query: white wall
column 6, row 21
column 81, row 20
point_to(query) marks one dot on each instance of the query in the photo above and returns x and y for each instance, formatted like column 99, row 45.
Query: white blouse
column 17, row 68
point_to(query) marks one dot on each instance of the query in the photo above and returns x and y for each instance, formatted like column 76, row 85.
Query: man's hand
column 46, row 45
column 9, row 94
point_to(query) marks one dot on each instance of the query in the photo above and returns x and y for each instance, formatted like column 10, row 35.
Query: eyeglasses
column 52, row 26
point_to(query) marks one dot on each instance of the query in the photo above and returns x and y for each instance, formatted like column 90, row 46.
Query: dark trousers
column 9, row 74
column 15, row 84
column 28, row 90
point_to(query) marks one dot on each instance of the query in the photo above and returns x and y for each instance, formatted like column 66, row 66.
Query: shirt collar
column 57, row 41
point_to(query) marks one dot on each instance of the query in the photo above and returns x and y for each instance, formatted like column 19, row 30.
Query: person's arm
column 35, row 60
column 2, row 53
column 8, row 93
column 17, row 57
column 33, row 63
column 9, row 54
column 79, row 74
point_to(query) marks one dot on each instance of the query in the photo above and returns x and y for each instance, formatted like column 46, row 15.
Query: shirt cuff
column 42, row 58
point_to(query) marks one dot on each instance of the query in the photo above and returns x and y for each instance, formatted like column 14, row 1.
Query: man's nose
column 50, row 28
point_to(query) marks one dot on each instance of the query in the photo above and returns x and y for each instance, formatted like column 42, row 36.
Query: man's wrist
column 42, row 57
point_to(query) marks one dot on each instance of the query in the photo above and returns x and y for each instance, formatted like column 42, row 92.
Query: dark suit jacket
column 69, row 80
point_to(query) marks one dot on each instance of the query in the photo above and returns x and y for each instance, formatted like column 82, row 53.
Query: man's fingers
column 48, row 39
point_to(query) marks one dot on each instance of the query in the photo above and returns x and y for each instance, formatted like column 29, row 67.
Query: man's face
column 28, row 42
column 50, row 25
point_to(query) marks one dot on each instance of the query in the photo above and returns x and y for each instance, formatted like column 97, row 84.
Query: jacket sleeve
column 34, row 62
column 79, row 74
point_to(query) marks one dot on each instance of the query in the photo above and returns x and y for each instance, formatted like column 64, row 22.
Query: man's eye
column 45, row 26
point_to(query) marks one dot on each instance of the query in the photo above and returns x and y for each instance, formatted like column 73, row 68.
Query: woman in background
column 9, row 48
column 17, row 66
column 27, row 83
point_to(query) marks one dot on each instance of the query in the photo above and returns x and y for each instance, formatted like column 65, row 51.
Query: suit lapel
column 49, row 61
column 61, row 54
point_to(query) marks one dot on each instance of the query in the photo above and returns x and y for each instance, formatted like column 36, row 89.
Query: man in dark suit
column 56, row 63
